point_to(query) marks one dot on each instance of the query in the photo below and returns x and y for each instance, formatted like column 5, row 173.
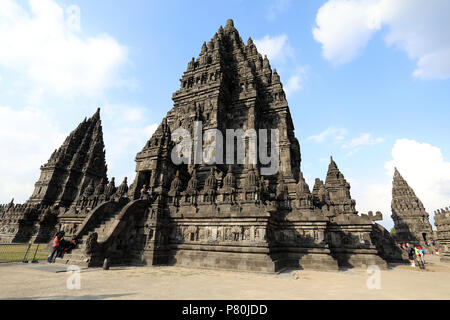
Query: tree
column 392, row 232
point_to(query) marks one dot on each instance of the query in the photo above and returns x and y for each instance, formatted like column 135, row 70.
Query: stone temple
column 442, row 222
column 411, row 221
column 227, row 216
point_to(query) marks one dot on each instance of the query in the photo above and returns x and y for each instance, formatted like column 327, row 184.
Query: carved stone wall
column 442, row 222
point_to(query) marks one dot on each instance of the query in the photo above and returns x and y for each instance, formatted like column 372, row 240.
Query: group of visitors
column 61, row 246
column 415, row 253
column 146, row 192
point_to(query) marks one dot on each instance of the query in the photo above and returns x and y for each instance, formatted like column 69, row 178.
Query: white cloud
column 280, row 52
column 365, row 139
column 47, row 47
column 276, row 48
column 27, row 139
column 344, row 27
column 423, row 167
column 337, row 134
column 295, row 82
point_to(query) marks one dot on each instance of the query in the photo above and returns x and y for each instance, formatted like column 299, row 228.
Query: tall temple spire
column 235, row 88
column 403, row 196
column 411, row 221
column 79, row 162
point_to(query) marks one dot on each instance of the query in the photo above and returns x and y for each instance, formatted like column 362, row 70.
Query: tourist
column 432, row 242
column 56, row 247
column 71, row 245
column 411, row 255
column 418, row 257
column 422, row 255
column 144, row 191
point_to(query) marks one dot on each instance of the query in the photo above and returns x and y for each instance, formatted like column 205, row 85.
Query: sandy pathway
column 43, row 281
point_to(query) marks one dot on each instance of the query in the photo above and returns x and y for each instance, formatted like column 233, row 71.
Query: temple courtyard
column 49, row 281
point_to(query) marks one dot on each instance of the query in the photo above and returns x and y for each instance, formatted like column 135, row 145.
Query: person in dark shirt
column 411, row 254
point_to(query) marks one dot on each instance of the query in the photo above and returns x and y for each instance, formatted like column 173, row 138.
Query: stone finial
column 266, row 64
column 123, row 188
column 229, row 24
column 193, row 182
column 100, row 189
column 211, row 181
column 204, row 48
column 89, row 189
column 302, row 186
column 229, row 180
column 275, row 77
column 96, row 114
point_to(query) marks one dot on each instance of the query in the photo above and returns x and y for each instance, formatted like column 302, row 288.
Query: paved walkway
column 49, row 281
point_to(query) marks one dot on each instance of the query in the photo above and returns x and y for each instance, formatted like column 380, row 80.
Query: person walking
column 56, row 247
column 422, row 255
column 411, row 254
column 418, row 257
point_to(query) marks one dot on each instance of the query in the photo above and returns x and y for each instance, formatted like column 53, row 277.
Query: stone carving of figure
column 91, row 243
column 122, row 190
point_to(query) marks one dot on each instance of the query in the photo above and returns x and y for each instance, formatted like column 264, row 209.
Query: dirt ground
column 49, row 281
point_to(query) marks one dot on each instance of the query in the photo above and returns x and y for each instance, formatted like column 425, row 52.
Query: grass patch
column 16, row 252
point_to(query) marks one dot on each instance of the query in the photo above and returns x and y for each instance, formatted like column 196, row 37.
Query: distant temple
column 442, row 222
column 203, row 215
column 411, row 221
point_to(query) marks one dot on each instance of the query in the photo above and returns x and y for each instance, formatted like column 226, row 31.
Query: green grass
column 16, row 252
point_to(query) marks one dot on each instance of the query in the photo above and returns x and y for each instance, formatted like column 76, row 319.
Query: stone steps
column 103, row 229
column 77, row 256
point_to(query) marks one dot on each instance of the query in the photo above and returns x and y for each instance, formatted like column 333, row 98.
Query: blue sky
column 367, row 81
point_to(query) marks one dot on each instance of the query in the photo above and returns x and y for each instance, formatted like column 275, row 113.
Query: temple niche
column 230, row 215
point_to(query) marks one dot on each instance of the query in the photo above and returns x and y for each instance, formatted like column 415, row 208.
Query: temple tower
column 78, row 163
column 410, row 218
column 229, row 86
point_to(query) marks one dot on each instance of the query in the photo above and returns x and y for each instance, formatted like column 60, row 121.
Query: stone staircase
column 77, row 256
